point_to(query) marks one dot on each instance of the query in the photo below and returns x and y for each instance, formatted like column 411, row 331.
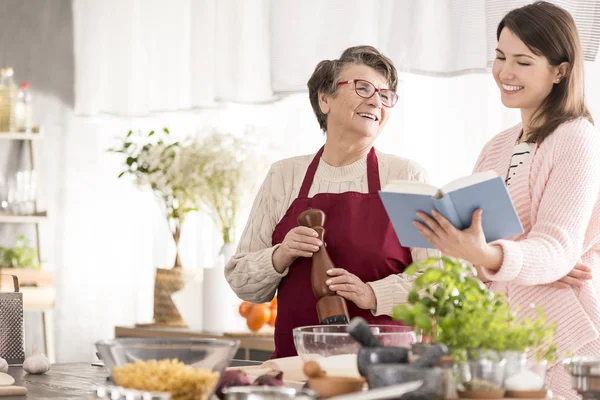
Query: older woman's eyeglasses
column 366, row 90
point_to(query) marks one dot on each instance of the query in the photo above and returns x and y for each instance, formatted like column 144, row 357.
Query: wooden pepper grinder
column 331, row 308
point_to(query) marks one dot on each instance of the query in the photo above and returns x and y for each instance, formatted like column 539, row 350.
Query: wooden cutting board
column 13, row 391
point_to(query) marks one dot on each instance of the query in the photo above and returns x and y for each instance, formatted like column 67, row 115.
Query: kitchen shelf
column 21, row 135
column 23, row 219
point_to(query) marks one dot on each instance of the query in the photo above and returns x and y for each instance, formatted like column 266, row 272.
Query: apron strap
column 310, row 174
column 372, row 173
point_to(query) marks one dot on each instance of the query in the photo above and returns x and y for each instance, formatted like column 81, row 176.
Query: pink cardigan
column 557, row 197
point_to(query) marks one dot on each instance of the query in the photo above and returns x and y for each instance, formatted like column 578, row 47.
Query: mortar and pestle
column 331, row 308
column 329, row 386
column 372, row 352
column 385, row 366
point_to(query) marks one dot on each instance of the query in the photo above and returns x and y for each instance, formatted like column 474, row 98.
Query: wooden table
column 63, row 381
column 253, row 346
column 69, row 381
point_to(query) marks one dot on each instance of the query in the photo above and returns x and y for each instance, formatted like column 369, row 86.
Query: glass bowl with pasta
column 187, row 368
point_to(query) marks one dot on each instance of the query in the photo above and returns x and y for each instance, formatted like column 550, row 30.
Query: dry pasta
column 182, row 381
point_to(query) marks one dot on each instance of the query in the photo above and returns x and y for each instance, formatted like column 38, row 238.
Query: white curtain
column 133, row 57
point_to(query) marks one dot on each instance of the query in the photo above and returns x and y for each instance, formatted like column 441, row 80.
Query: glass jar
column 521, row 374
column 484, row 374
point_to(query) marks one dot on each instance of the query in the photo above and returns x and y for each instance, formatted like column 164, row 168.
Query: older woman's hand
column 350, row 287
column 299, row 242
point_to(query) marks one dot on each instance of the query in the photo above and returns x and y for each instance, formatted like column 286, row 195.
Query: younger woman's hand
column 468, row 244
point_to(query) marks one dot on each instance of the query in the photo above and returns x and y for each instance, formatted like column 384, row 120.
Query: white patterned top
column 521, row 152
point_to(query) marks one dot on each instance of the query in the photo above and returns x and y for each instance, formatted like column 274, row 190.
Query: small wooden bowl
column 481, row 394
column 527, row 394
column 329, row 386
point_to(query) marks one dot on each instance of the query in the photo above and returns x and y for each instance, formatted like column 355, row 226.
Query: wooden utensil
column 12, row 391
column 329, row 386
column 527, row 394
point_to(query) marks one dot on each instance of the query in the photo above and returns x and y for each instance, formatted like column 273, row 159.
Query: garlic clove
column 3, row 365
column 6, row 379
column 36, row 363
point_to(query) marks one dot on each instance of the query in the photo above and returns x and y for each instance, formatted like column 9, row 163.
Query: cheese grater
column 12, row 346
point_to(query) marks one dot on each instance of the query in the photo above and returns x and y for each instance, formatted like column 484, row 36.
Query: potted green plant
column 157, row 161
column 226, row 171
column 22, row 260
column 451, row 305
column 22, row 255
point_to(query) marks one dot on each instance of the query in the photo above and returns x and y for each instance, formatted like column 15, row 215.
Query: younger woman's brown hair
column 550, row 31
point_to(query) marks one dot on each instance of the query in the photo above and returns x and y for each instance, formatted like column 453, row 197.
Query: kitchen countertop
column 68, row 381
column 75, row 381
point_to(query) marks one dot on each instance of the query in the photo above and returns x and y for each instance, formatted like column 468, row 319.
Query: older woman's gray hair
column 327, row 74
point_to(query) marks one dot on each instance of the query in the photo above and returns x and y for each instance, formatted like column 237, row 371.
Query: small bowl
column 268, row 393
column 317, row 341
column 329, row 386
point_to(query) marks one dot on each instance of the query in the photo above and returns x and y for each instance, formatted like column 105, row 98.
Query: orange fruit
column 254, row 326
column 271, row 320
column 273, row 303
column 245, row 308
column 258, row 316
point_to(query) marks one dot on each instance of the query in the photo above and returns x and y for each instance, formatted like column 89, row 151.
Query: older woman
column 352, row 98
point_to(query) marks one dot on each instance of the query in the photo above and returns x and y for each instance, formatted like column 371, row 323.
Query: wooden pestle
column 331, row 308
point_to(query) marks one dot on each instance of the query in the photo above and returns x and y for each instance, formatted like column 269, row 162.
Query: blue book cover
column 456, row 201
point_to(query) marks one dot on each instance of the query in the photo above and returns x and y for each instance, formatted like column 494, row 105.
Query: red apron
column 360, row 238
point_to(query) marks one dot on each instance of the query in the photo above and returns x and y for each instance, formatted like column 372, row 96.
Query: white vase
column 220, row 303
column 189, row 304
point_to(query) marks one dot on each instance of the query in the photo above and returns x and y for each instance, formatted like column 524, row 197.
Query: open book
column 456, row 201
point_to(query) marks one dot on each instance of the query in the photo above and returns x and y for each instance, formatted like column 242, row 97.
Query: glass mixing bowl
column 211, row 354
column 313, row 342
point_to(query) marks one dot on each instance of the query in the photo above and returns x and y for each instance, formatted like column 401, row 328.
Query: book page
column 411, row 187
column 468, row 181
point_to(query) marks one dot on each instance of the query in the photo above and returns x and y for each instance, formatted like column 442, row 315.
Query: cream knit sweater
column 250, row 272
column 556, row 193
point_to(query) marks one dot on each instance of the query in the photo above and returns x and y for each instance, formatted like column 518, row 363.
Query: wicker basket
column 167, row 282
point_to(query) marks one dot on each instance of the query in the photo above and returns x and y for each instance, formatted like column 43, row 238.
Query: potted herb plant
column 451, row 306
